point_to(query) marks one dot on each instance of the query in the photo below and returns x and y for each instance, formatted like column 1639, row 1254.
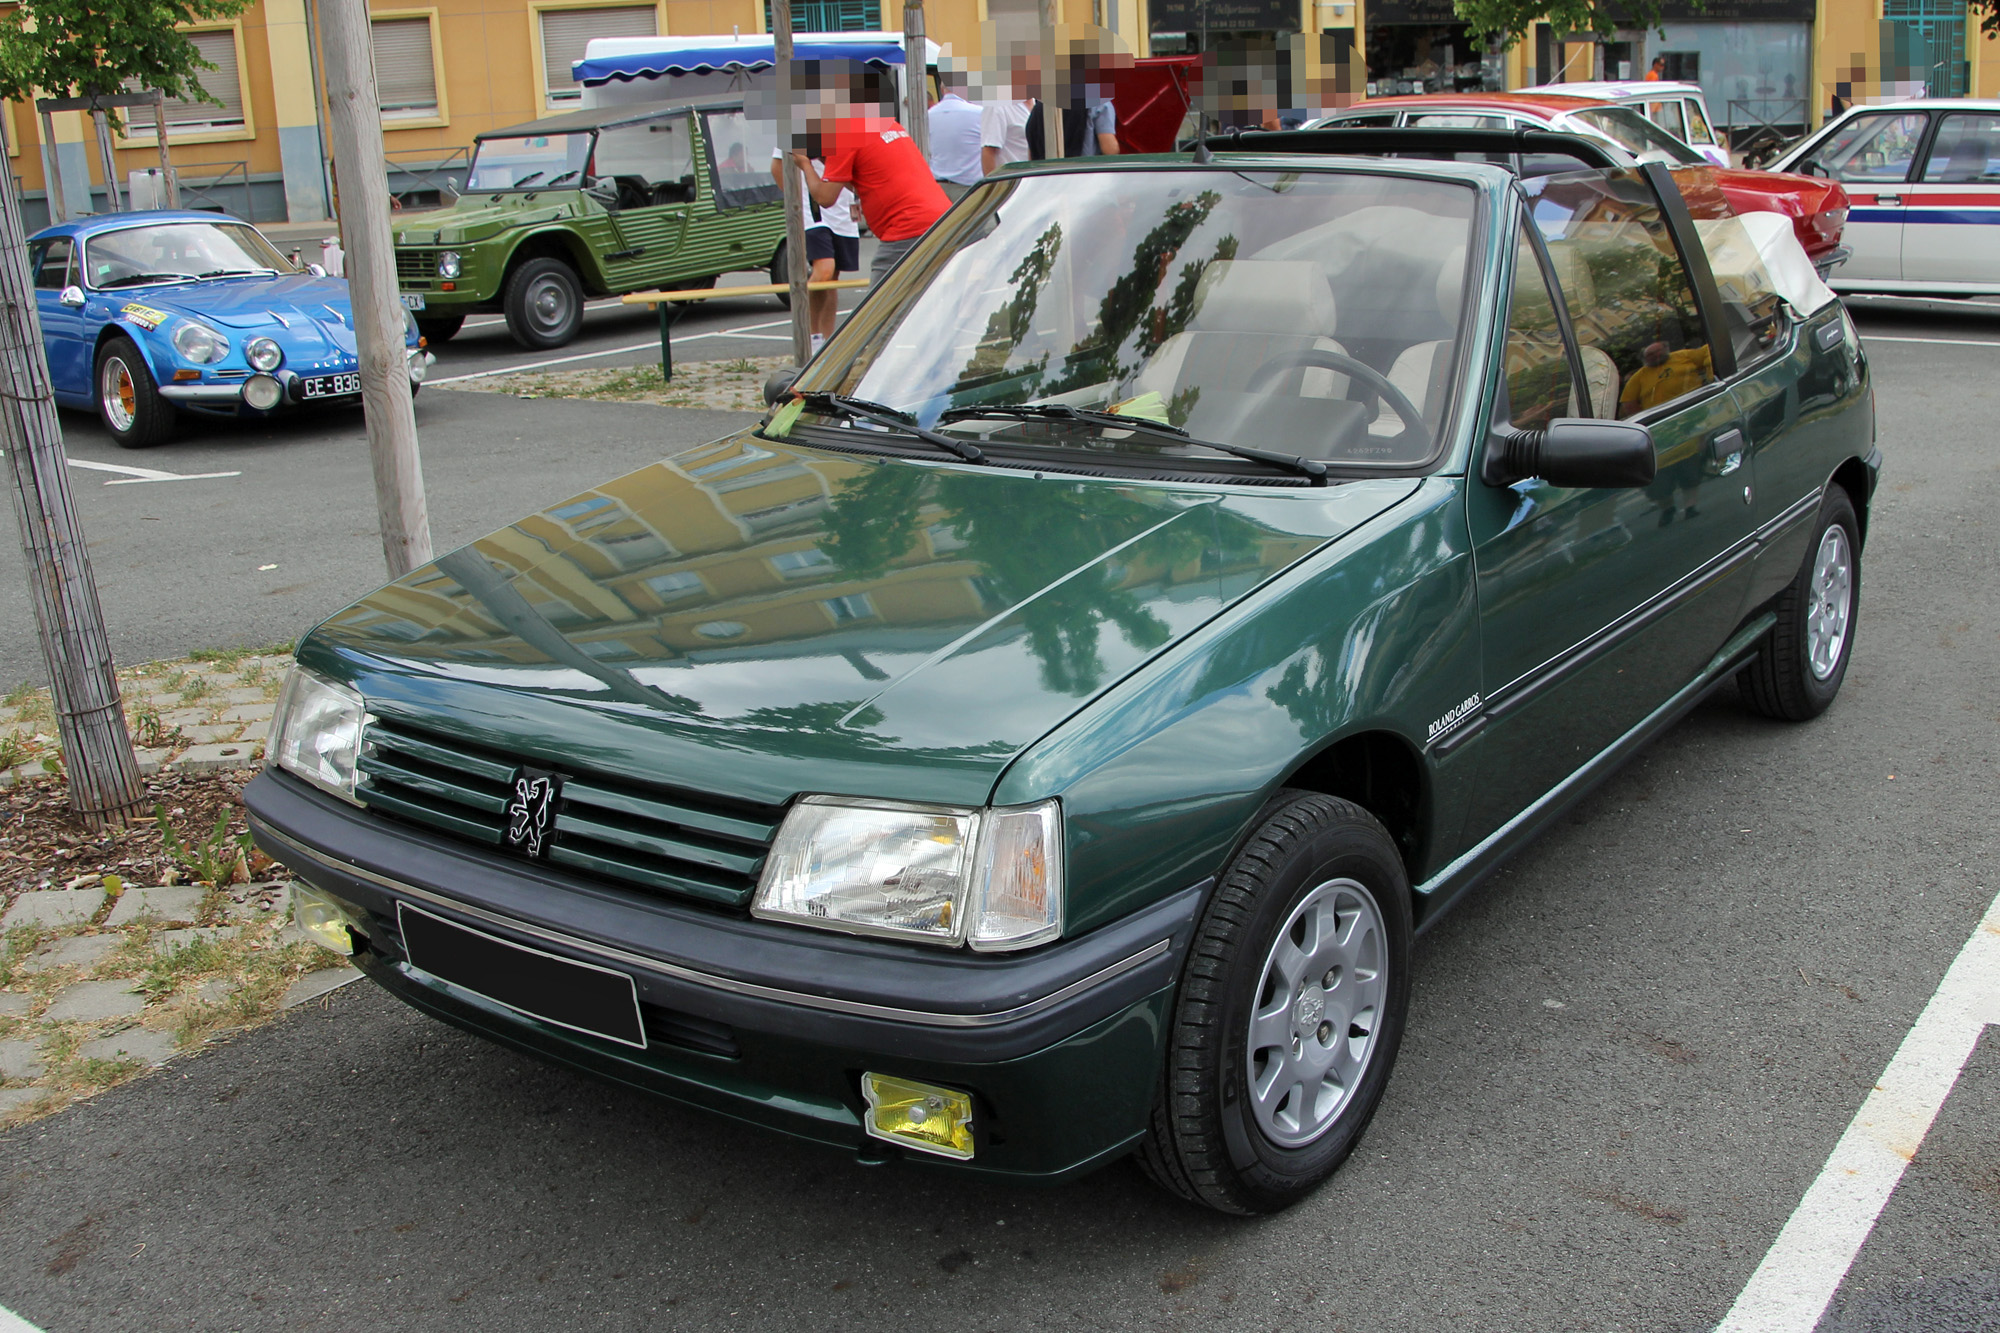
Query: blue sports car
column 146, row 315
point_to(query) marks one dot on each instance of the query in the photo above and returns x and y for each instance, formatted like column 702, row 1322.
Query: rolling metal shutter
column 405, row 78
column 219, row 50
column 565, row 32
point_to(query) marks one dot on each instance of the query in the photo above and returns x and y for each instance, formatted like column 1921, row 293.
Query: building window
column 675, row 585
column 405, row 74
column 185, row 116
column 831, row 15
column 851, row 608
column 802, row 564
column 566, row 32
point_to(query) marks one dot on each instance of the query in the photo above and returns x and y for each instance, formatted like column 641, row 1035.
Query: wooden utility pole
column 796, row 267
column 52, row 156
column 107, row 159
column 354, row 116
column 170, row 188
column 916, row 76
column 90, row 716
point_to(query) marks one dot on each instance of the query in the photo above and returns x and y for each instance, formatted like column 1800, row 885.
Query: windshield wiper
column 238, row 273
column 524, row 180
column 560, row 179
column 137, row 279
column 860, row 409
column 1309, row 467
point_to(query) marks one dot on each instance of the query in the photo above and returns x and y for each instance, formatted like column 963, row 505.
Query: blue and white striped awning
column 627, row 58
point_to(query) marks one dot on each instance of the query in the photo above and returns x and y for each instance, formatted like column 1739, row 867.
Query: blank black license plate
column 330, row 386
column 578, row 996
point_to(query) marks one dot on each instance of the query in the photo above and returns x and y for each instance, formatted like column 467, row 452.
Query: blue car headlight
column 410, row 335
column 263, row 353
column 200, row 344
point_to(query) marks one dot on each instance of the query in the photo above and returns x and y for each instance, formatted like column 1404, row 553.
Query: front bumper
column 1060, row 1046
column 229, row 395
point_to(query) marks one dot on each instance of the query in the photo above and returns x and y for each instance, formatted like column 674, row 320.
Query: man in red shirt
column 875, row 158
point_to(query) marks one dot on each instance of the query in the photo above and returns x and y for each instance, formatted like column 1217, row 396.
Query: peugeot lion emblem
column 531, row 814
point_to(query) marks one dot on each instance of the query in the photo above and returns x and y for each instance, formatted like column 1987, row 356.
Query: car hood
column 254, row 303
column 476, row 217
column 759, row 619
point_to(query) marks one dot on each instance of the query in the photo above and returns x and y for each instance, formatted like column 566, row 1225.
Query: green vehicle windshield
column 1314, row 313
column 534, row 162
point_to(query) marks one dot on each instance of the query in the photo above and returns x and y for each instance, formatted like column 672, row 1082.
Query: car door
column 1597, row 605
column 1951, row 211
column 1873, row 155
column 653, row 163
column 55, row 271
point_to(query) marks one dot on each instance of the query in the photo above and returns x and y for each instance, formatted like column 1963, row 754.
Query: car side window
column 1457, row 120
column 1966, row 151
column 652, row 161
column 1667, row 115
column 1752, row 311
column 52, row 269
column 1698, row 123
column 740, row 148
column 1637, row 323
column 1540, row 384
column 1879, row 148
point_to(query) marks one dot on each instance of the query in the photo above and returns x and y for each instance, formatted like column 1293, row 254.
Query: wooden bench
column 669, row 304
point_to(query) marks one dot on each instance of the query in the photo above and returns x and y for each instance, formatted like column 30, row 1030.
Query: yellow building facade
column 451, row 69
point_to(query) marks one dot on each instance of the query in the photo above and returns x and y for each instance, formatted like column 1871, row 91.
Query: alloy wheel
column 119, row 395
column 1832, row 604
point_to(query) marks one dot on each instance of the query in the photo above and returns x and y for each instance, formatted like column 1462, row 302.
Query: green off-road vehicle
column 594, row 203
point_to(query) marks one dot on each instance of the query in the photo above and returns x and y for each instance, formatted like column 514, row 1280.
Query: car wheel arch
column 113, row 329
column 555, row 243
column 1380, row 771
column 1852, row 476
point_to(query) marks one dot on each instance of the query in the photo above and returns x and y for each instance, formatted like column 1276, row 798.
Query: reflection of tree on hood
column 1028, row 539
column 1009, row 326
column 872, row 521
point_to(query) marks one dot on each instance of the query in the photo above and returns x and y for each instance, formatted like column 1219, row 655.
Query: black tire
column 779, row 275
column 440, row 330
column 543, row 302
column 125, row 392
column 1798, row 669
column 1207, row 1141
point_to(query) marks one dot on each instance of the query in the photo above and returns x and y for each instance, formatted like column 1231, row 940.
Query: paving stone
column 90, row 1001
column 154, row 1048
column 13, row 1004
column 220, row 754
column 242, row 694
column 258, row 712
column 151, row 761
column 213, row 991
column 20, row 1059
column 167, row 941
column 212, row 733
column 183, row 717
column 315, row 984
column 76, row 951
column 167, row 903
column 13, row 1099
column 54, row 907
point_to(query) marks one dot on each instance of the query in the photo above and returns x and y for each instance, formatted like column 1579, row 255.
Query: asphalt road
column 1629, row 1055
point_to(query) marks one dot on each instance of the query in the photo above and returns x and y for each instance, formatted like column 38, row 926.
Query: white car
column 1923, row 180
column 1677, row 108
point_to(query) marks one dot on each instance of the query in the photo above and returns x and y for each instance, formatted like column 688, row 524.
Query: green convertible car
column 1040, row 739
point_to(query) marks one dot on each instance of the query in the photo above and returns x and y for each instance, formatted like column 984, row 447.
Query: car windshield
column 179, row 252
column 1315, row 314
column 528, row 162
column 1634, row 133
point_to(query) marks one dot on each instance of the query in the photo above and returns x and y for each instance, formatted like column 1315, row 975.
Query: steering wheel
column 1321, row 358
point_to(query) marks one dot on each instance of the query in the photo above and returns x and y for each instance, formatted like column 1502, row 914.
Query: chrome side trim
column 677, row 972
column 202, row 393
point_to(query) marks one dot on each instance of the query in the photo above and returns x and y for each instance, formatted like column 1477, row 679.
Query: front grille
column 415, row 268
column 662, row 841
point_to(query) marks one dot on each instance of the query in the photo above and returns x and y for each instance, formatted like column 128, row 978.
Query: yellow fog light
column 323, row 920
column 918, row 1115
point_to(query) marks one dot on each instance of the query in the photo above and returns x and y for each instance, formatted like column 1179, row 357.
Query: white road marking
column 1942, row 342
column 13, row 1323
column 135, row 475
column 1805, row 1266
column 740, row 331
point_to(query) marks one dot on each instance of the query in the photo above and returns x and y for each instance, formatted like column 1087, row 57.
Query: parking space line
column 740, row 331
column 133, row 476
column 1942, row 342
column 1805, row 1266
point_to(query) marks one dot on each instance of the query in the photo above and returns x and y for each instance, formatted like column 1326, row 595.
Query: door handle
column 1726, row 448
column 1889, row 200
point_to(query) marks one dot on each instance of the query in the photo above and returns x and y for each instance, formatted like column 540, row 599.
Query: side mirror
column 780, row 384
column 70, row 296
column 316, row 270
column 1574, row 452
column 1812, row 167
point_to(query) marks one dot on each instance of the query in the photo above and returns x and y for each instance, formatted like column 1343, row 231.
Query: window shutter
column 219, row 50
column 405, row 78
column 565, row 32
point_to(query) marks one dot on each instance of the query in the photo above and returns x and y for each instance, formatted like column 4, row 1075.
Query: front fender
column 579, row 255
column 152, row 342
column 1376, row 631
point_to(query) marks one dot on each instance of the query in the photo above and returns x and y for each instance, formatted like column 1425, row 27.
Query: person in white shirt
column 833, row 247
column 1003, row 133
column 955, row 126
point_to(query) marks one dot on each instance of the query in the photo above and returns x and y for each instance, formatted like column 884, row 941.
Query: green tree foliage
column 1509, row 20
column 76, row 48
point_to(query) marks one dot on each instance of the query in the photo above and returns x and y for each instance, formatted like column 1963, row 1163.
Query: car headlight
column 199, row 343
column 263, row 353
column 317, row 732
column 448, row 264
column 991, row 878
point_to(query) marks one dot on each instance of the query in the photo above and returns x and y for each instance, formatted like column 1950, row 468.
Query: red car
column 1816, row 206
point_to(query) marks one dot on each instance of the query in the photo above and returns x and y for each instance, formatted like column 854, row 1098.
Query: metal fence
column 419, row 178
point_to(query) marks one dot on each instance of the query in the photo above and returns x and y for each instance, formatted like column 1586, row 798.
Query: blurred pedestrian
column 893, row 187
column 833, row 247
column 955, row 126
column 1658, row 72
